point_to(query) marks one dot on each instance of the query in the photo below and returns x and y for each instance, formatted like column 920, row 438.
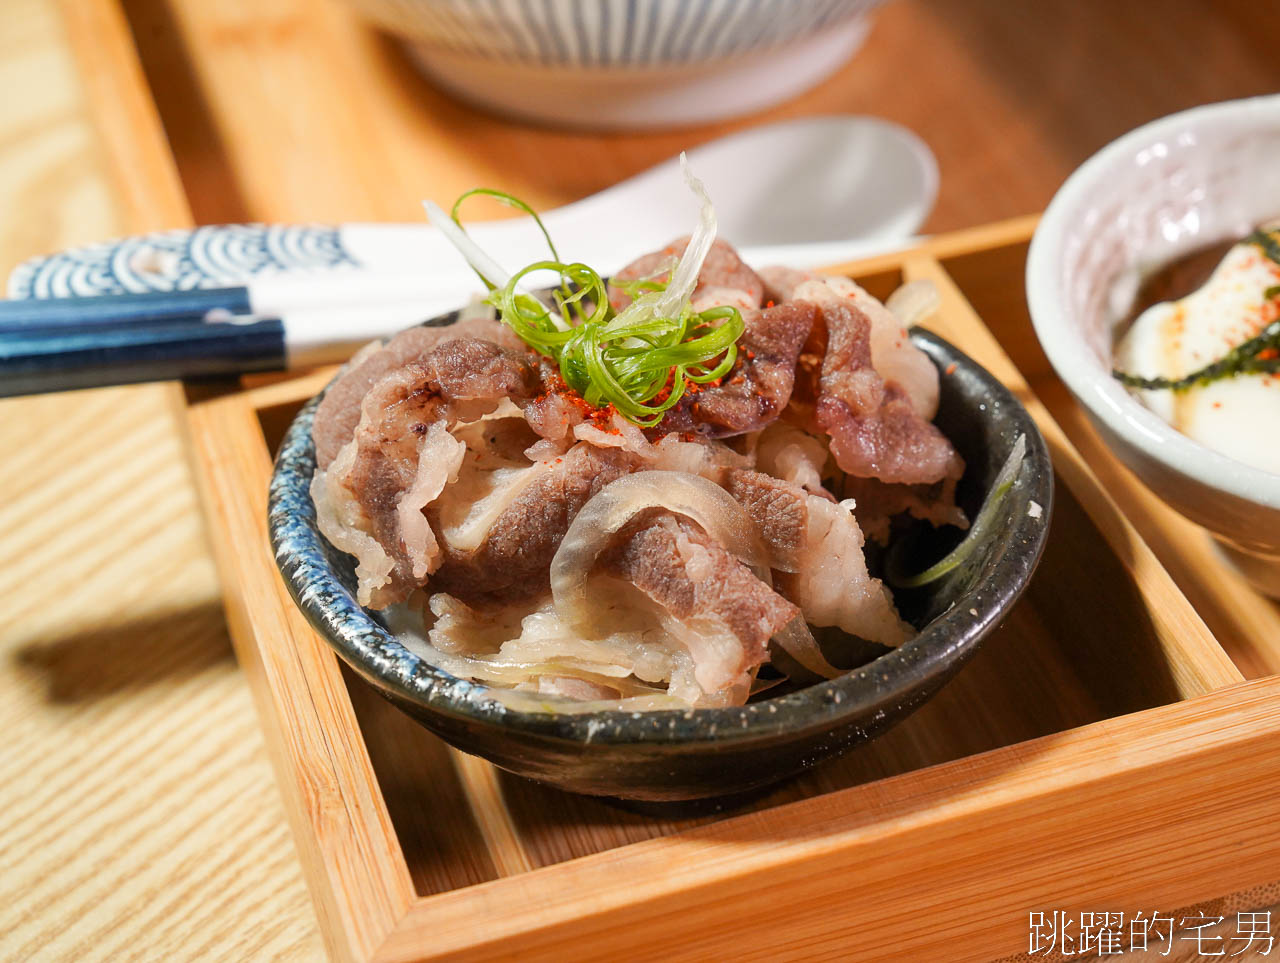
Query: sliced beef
column 878, row 502
column 893, row 355
column 513, row 560
column 758, row 387
column 875, row 430
column 815, row 550
column 553, row 411
column 401, row 454
column 722, row 613
column 339, row 410
column 780, row 283
column 786, row 451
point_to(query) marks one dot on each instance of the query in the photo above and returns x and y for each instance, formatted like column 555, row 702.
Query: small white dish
column 1162, row 191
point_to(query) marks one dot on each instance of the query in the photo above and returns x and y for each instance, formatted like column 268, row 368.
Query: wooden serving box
column 1114, row 746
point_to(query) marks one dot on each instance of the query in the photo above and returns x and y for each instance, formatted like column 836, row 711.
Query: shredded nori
column 1241, row 360
column 1267, row 241
column 1244, row 359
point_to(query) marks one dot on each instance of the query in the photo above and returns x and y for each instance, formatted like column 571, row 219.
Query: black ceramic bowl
column 677, row 755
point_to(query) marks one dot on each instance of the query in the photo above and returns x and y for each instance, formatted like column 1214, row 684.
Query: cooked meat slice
column 876, row 502
column 401, row 456
column 758, row 387
column 780, row 282
column 712, row 460
column 721, row 269
column 875, row 431
column 690, row 453
column 831, row 583
column 891, row 442
column 777, row 508
column 792, row 454
column 501, row 523
column 530, row 515
column 339, row 410
column 383, row 576
column 614, row 432
column 815, row 549
column 709, row 298
column 554, row 410
column 722, row 613
column 496, row 467
column 499, row 439
column 893, row 355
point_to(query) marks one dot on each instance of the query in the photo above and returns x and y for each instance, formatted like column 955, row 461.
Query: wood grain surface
column 139, row 818
column 339, row 125
column 861, row 855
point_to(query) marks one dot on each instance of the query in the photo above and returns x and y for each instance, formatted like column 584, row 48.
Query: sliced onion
column 671, row 300
column 620, row 501
column 759, row 685
column 798, row 642
column 490, row 271
column 685, row 278
column 914, row 301
column 495, row 672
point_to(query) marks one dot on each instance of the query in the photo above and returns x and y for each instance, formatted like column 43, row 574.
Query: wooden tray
column 1102, row 752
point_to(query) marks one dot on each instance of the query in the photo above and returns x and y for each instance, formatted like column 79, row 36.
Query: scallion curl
column 641, row 360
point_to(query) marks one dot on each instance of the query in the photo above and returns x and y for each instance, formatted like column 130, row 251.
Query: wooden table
column 138, row 815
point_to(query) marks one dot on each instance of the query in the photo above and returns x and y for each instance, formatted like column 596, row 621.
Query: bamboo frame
column 1154, row 806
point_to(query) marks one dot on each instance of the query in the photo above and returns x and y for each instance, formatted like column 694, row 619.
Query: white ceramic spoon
column 802, row 192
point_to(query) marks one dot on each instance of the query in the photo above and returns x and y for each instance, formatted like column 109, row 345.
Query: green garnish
column 1259, row 355
column 1267, row 241
column 1004, row 480
column 640, row 360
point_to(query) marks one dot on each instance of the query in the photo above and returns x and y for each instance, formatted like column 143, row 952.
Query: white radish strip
column 685, row 278
column 484, row 265
column 668, row 302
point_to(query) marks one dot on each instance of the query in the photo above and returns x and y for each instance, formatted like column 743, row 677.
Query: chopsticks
column 274, row 322
column 94, row 355
column 56, row 344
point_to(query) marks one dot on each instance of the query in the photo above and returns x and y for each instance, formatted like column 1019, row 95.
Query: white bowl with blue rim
column 620, row 64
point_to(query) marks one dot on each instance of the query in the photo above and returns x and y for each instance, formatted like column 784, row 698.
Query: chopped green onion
column 640, row 360
column 510, row 200
column 1004, row 480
